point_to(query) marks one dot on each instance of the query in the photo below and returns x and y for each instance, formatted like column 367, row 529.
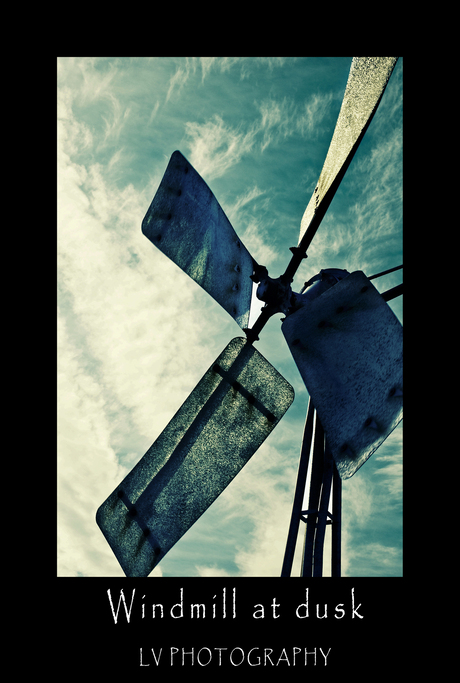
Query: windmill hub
column 279, row 297
column 276, row 292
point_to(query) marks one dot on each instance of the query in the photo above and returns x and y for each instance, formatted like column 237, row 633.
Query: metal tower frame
column 315, row 457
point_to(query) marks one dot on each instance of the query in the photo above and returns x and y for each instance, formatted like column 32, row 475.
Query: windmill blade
column 186, row 223
column 347, row 345
column 228, row 415
column 366, row 84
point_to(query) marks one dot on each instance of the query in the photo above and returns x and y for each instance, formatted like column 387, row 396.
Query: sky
column 136, row 334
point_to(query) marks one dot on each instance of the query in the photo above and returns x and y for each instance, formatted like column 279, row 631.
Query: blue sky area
column 136, row 334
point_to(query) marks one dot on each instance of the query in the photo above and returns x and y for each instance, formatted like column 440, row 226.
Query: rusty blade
column 347, row 345
column 186, row 223
column 366, row 84
column 228, row 415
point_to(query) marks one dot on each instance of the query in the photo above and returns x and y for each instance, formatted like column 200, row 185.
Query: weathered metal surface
column 347, row 345
column 186, row 223
column 228, row 415
column 365, row 86
column 325, row 279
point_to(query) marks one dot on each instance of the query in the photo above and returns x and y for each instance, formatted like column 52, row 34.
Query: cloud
column 73, row 135
column 117, row 306
column 222, row 64
column 215, row 147
column 314, row 111
column 180, row 77
column 177, row 82
column 378, row 559
column 120, row 379
column 188, row 67
column 257, row 245
column 283, row 118
column 212, row 571
column 244, row 199
column 87, row 466
column 115, row 120
column 247, row 65
column 97, row 82
column 274, row 116
column 389, row 474
column 372, row 494
column 248, row 228
column 94, row 85
column 154, row 112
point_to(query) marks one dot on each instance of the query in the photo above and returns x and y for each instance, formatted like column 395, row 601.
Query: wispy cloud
column 114, row 292
column 315, row 110
column 215, row 146
column 257, row 244
column 188, row 67
column 87, row 464
column 377, row 559
column 180, row 77
column 283, row 118
column 246, row 65
column 242, row 200
column 73, row 135
column 95, row 85
column 97, row 82
column 275, row 120
column 372, row 494
column 247, row 227
column 212, row 571
column 115, row 120
column 154, row 112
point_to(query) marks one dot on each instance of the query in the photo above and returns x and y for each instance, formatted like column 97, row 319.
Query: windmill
column 343, row 336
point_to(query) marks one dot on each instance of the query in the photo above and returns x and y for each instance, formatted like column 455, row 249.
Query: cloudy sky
column 135, row 334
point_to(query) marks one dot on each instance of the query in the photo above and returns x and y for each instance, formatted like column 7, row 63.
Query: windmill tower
column 343, row 336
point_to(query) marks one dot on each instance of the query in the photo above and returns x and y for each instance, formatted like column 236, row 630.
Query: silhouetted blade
column 228, row 415
column 366, row 84
column 347, row 345
column 187, row 224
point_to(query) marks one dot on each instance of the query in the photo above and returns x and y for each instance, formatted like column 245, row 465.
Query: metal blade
column 366, row 84
column 347, row 345
column 187, row 224
column 228, row 415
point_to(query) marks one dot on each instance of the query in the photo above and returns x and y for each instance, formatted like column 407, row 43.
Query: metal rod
column 322, row 517
column 252, row 334
column 299, row 492
column 336, row 552
column 313, row 504
column 385, row 272
column 393, row 293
